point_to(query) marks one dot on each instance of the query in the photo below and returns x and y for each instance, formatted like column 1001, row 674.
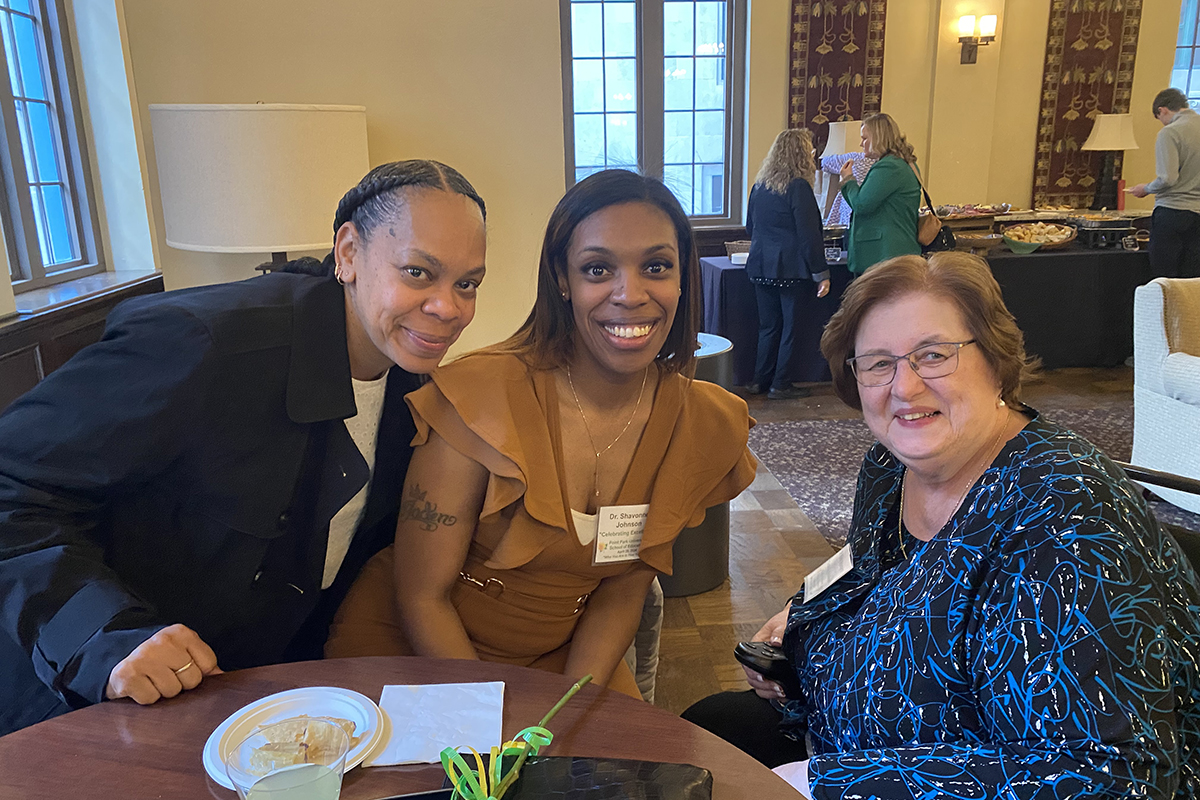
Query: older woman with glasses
column 1007, row 618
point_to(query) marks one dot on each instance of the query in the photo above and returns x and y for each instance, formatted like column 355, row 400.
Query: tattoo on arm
column 414, row 506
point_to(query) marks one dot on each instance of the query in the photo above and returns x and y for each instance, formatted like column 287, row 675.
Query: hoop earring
column 337, row 274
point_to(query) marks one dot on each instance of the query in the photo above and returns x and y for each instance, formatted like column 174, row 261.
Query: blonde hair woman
column 883, row 222
column 786, row 251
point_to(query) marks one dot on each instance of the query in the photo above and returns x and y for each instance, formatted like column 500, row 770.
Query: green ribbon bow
column 491, row 782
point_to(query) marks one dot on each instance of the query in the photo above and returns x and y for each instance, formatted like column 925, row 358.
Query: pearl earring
column 1000, row 403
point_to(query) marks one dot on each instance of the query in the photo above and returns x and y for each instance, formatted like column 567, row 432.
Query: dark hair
column 965, row 281
column 546, row 338
column 1171, row 99
column 377, row 198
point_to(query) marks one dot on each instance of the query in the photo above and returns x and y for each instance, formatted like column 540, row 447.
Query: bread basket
column 1029, row 247
column 740, row 246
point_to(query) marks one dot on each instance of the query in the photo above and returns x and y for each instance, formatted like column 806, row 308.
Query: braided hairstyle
column 377, row 199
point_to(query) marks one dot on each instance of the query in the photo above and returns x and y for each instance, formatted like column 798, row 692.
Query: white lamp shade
column 262, row 178
column 966, row 25
column 1111, row 132
column 987, row 25
column 844, row 137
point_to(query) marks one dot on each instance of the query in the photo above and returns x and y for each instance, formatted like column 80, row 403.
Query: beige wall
column 909, row 60
column 768, row 68
column 474, row 83
column 1023, row 27
column 1155, row 54
column 974, row 126
column 107, row 99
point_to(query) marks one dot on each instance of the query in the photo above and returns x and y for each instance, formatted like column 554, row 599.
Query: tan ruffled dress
column 535, row 573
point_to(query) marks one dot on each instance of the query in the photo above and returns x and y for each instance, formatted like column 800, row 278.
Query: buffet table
column 1075, row 306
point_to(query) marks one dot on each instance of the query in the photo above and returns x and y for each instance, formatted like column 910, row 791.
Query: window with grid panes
column 1185, row 76
column 656, row 85
column 46, row 202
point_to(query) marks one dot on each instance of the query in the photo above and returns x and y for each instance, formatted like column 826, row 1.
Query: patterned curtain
column 837, row 62
column 1090, row 48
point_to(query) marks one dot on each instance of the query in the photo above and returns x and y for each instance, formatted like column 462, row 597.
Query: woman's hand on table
column 823, row 288
column 772, row 633
column 171, row 661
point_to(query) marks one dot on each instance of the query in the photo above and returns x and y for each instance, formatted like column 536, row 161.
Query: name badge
column 828, row 573
column 619, row 533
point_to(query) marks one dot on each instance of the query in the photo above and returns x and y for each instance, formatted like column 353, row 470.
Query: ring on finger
column 185, row 667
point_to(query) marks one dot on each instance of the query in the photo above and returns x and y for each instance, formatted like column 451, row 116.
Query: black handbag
column 943, row 241
column 944, row 238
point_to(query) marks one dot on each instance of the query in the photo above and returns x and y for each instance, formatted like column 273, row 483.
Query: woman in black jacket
column 786, row 250
column 197, row 490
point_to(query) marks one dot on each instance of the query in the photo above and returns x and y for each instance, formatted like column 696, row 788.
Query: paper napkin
column 425, row 720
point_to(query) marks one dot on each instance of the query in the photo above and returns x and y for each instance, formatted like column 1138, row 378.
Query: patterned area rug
column 817, row 460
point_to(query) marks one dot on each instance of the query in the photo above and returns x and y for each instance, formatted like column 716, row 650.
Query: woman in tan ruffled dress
column 501, row 553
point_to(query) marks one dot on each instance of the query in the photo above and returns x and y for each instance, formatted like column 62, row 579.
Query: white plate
column 315, row 701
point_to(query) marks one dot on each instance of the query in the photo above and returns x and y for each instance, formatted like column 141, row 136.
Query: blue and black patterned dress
column 1045, row 644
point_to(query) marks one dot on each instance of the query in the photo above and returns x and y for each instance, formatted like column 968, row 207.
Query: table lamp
column 844, row 137
column 1110, row 133
column 262, row 178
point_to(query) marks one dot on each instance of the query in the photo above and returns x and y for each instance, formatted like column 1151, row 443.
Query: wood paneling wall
column 711, row 241
column 34, row 345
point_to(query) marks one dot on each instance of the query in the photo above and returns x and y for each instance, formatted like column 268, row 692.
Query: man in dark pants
column 1175, row 240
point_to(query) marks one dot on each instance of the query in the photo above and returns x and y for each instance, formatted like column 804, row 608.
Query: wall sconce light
column 969, row 41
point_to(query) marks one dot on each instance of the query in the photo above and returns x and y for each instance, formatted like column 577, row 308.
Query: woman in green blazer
column 885, row 206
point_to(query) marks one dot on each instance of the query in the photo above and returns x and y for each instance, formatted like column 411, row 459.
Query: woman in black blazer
column 197, row 490
column 786, row 251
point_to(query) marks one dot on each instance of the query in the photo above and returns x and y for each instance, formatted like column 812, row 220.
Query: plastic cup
column 278, row 762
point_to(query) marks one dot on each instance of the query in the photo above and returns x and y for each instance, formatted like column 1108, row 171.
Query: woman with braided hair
column 200, row 487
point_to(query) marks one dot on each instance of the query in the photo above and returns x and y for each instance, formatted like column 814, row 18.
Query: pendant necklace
column 586, row 427
column 962, row 497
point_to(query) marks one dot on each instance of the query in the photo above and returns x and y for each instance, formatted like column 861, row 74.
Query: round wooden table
column 121, row 751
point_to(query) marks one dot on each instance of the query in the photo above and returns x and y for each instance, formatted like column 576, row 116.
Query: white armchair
column 1166, row 382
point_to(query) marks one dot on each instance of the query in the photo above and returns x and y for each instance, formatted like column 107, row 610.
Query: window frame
column 650, row 133
column 27, row 270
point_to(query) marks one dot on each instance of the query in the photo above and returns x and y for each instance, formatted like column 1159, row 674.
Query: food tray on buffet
column 1038, row 215
column 1026, row 237
column 1104, row 219
column 971, row 210
column 977, row 242
column 1105, row 237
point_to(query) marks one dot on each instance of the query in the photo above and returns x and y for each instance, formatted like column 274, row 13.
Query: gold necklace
column 962, row 497
column 586, row 427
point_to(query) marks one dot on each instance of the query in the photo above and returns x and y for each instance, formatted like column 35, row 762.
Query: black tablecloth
column 1075, row 307
column 730, row 311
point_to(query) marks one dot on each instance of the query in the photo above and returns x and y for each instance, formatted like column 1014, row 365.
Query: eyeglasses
column 935, row 360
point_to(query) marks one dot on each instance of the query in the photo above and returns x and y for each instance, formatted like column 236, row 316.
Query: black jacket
column 184, row 469
column 786, row 239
